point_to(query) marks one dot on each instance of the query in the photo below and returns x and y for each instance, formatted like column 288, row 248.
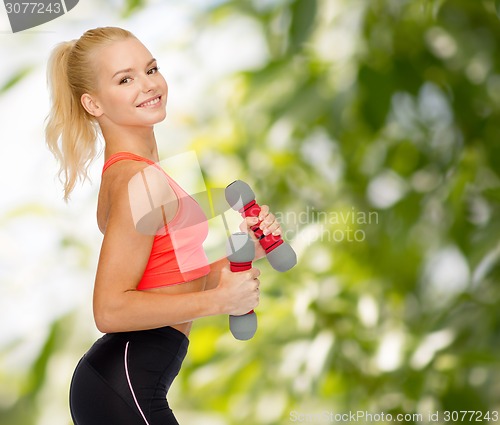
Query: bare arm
column 118, row 306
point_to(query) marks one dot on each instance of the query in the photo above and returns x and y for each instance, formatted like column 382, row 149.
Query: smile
column 152, row 102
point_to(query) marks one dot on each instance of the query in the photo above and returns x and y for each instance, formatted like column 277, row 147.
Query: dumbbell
column 240, row 253
column 241, row 198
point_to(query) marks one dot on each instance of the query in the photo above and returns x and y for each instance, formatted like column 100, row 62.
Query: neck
column 138, row 140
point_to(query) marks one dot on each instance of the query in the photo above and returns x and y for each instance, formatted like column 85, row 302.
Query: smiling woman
column 145, row 295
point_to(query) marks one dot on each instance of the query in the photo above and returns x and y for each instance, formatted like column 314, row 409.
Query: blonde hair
column 71, row 132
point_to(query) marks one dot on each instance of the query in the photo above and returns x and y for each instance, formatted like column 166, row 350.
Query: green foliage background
column 385, row 107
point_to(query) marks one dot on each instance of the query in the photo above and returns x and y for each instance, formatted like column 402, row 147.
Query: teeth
column 151, row 102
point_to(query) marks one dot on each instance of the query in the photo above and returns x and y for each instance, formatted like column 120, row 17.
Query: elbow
column 106, row 317
column 104, row 321
column 103, row 324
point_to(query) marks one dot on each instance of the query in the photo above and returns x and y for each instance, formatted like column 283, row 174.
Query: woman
column 147, row 293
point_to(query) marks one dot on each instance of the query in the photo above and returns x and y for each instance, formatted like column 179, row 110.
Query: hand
column 239, row 291
column 268, row 225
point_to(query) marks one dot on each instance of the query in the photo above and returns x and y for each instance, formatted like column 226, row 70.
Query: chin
column 161, row 118
column 157, row 118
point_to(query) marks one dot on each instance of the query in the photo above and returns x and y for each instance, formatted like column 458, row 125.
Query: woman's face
column 130, row 89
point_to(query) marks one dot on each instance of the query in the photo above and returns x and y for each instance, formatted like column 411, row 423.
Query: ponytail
column 71, row 132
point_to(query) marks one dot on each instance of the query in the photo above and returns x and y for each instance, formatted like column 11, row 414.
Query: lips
column 150, row 102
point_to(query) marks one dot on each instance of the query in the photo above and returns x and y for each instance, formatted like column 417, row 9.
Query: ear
column 91, row 105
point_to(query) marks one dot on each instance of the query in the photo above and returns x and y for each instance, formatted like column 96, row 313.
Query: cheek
column 163, row 84
column 121, row 99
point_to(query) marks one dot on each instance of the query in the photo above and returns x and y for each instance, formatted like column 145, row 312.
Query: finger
column 248, row 223
column 271, row 228
column 251, row 221
column 278, row 232
column 249, row 275
column 274, row 228
column 264, row 211
column 269, row 219
column 255, row 273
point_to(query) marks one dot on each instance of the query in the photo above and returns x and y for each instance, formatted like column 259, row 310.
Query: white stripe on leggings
column 130, row 385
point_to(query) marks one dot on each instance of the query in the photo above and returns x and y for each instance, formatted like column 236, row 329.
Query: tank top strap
column 120, row 156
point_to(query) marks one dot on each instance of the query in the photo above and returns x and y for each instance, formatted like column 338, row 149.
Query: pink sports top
column 177, row 254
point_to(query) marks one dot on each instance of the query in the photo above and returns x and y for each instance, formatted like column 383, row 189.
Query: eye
column 125, row 80
column 153, row 70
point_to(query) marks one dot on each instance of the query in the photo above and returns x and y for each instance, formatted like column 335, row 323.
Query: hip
column 129, row 374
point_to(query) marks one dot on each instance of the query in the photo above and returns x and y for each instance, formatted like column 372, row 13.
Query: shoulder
column 141, row 193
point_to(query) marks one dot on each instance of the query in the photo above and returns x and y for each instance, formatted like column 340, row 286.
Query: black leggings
column 124, row 378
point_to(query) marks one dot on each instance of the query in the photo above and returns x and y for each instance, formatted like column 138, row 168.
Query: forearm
column 138, row 310
column 213, row 278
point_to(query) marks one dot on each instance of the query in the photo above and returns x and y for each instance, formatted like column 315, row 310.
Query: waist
column 155, row 340
column 196, row 285
column 170, row 278
column 167, row 333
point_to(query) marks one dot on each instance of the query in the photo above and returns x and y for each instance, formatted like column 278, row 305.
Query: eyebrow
column 131, row 69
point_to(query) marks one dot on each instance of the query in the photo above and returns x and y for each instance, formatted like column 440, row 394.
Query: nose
column 147, row 83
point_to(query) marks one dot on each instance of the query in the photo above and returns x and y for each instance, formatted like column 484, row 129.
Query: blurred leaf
column 432, row 7
column 132, row 6
column 15, row 79
column 376, row 88
column 39, row 368
column 303, row 17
